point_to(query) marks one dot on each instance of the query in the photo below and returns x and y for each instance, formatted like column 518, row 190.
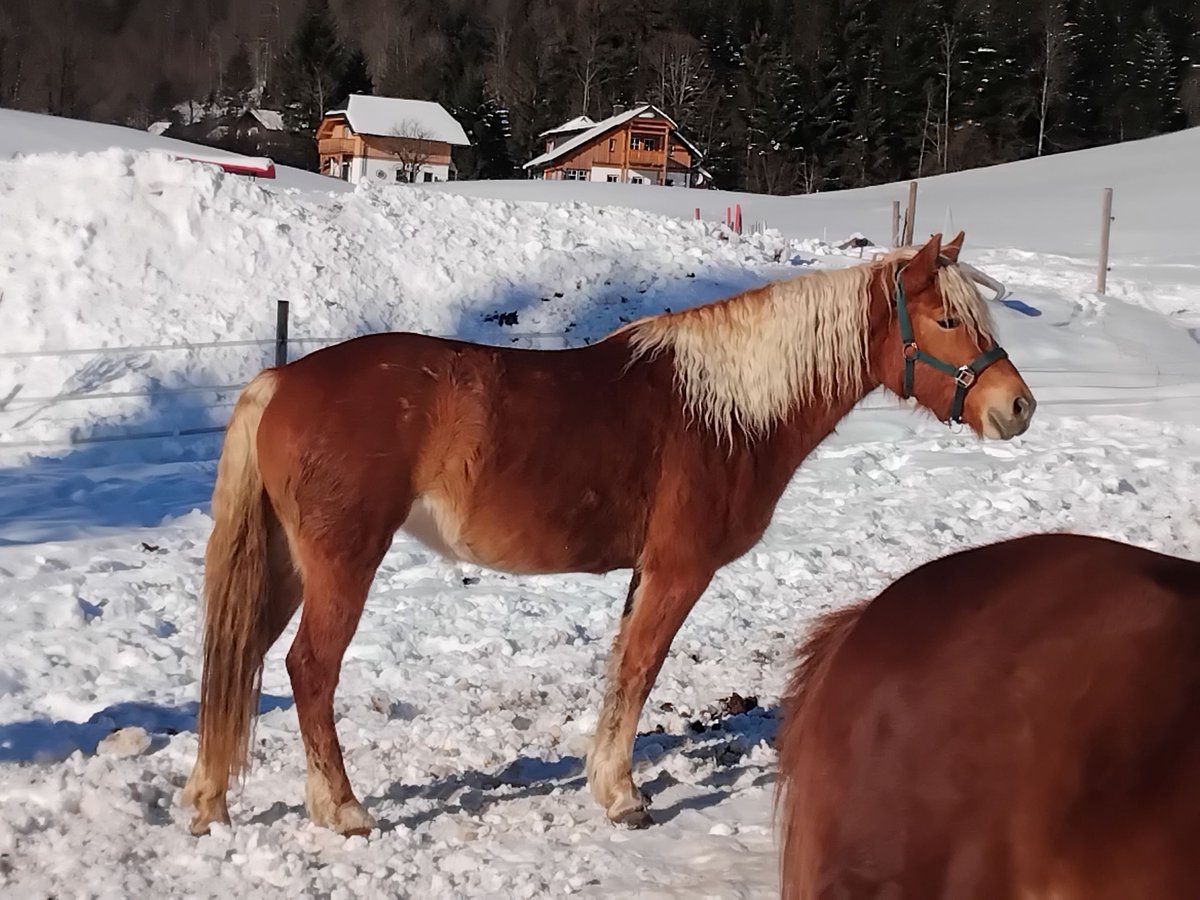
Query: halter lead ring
column 964, row 376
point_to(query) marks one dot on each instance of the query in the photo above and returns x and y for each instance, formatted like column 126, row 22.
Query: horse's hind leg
column 335, row 590
column 206, row 790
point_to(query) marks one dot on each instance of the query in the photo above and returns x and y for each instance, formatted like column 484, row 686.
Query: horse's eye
column 948, row 323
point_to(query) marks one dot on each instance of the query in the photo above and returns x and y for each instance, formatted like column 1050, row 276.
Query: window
column 612, row 145
column 612, row 178
column 575, row 174
column 645, row 142
column 401, row 176
column 429, row 176
column 636, row 179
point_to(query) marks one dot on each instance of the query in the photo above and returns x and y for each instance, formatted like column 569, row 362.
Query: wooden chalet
column 389, row 139
column 642, row 145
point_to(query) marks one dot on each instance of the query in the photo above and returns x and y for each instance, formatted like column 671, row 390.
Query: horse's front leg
column 660, row 598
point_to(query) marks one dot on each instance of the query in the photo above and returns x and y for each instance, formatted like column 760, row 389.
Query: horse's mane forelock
column 745, row 362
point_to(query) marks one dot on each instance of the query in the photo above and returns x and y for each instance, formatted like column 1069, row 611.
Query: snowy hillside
column 23, row 134
column 136, row 293
column 1050, row 204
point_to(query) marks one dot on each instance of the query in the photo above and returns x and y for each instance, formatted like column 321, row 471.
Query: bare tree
column 588, row 58
column 414, row 148
column 949, row 37
column 1054, row 64
column 681, row 77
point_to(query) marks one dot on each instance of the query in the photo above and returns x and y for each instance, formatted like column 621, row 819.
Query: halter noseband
column 964, row 376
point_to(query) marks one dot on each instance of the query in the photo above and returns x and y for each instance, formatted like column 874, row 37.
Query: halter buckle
column 965, row 377
column 911, row 350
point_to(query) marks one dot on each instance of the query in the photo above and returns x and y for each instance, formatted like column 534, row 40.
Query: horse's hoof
column 636, row 818
column 201, row 822
column 349, row 820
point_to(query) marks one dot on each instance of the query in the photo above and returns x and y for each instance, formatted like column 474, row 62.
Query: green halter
column 964, row 376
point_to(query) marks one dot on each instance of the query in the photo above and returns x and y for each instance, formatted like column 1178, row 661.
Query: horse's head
column 940, row 349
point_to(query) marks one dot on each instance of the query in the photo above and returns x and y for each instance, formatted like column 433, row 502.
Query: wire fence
column 31, row 402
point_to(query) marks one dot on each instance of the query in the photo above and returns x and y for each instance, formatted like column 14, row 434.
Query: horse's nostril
column 1020, row 407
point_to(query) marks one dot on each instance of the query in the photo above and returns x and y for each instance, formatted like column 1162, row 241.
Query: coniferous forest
column 783, row 97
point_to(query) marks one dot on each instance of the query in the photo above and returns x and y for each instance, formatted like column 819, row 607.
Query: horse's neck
column 807, row 426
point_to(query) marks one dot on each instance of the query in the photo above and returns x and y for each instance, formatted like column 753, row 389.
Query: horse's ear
column 953, row 248
column 923, row 266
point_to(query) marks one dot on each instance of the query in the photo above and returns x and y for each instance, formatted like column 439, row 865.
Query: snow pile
column 118, row 250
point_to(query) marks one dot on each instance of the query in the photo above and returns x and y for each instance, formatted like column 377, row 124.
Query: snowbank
column 1049, row 205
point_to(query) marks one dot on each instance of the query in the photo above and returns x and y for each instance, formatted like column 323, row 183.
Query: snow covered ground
column 467, row 697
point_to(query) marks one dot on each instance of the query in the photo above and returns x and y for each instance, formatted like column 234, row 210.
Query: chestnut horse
column 1014, row 721
column 662, row 449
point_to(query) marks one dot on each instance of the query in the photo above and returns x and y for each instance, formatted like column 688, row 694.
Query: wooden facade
column 647, row 148
column 340, row 149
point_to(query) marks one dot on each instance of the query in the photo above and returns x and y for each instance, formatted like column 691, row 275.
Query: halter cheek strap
column 964, row 376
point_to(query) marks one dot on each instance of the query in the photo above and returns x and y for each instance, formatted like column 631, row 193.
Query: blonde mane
column 745, row 362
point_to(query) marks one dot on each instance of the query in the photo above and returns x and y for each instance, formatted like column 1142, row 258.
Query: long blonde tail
column 237, row 588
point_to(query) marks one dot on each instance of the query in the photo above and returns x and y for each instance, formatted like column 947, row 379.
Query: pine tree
column 354, row 79
column 856, row 107
column 772, row 164
column 491, row 140
column 911, row 72
column 312, row 67
column 1150, row 104
column 238, row 82
column 1091, row 109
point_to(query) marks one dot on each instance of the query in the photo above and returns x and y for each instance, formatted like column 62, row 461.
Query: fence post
column 911, row 216
column 281, row 333
column 1105, row 226
column 737, row 218
column 696, row 213
column 895, row 224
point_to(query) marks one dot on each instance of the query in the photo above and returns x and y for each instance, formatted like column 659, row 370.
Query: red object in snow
column 258, row 167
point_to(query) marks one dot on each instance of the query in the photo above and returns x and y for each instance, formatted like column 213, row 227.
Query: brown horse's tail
column 798, row 856
column 237, row 591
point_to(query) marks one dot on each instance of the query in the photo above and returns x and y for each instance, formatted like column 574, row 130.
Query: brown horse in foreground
column 1015, row 721
column 662, row 448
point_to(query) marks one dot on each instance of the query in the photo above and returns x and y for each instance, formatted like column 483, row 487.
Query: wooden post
column 626, row 135
column 281, row 333
column 910, row 217
column 737, row 218
column 696, row 214
column 728, row 219
column 895, row 224
column 1105, row 226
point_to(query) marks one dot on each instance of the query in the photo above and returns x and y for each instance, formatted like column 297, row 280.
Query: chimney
column 618, row 108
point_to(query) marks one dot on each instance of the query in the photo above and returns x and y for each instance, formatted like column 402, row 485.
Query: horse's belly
column 499, row 542
column 434, row 523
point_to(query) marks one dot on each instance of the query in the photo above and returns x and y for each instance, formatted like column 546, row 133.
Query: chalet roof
column 600, row 128
column 270, row 119
column 579, row 123
column 398, row 117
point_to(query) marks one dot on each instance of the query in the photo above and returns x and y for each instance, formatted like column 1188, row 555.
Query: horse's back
column 1018, row 719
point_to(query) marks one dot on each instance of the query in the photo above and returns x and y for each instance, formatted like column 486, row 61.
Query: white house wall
column 382, row 171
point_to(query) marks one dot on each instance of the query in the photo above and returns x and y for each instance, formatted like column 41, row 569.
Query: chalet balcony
column 330, row 146
column 647, row 158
